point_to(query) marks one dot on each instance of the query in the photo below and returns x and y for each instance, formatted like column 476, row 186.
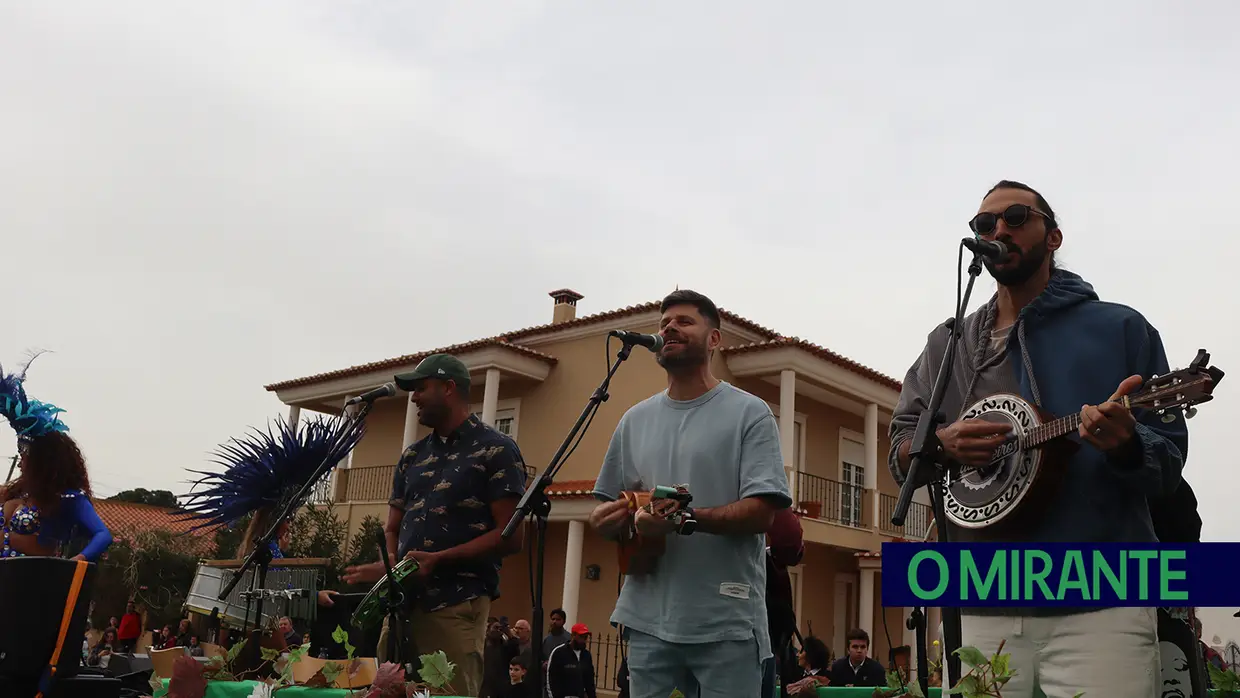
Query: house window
column 505, row 421
column 852, row 479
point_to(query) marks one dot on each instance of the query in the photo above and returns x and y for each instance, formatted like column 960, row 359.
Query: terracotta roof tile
column 819, row 351
column 123, row 518
column 509, row 341
column 413, row 358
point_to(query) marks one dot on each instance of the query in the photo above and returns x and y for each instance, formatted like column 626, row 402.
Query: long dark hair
column 51, row 465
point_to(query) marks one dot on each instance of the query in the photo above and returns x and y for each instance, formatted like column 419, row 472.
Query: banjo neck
column 1049, row 431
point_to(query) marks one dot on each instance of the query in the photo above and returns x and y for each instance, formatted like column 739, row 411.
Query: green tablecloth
column 243, row 689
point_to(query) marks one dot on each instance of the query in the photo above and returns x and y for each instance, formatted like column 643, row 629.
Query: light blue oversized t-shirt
column 725, row 446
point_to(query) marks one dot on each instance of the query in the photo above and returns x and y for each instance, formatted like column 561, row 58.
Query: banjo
column 1023, row 469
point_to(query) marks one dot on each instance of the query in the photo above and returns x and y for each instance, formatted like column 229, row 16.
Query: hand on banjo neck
column 1107, row 427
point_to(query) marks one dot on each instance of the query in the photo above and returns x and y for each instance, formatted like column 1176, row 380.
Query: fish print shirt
column 445, row 487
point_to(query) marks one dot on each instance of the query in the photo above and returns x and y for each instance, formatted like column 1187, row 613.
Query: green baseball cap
column 439, row 366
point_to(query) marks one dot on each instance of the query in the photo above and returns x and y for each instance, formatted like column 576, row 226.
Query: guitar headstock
column 1184, row 387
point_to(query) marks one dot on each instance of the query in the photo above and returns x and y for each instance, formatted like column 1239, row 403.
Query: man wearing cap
column 452, row 494
column 570, row 668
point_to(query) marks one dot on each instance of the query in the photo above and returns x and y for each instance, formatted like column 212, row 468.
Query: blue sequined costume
column 76, row 513
column 31, row 420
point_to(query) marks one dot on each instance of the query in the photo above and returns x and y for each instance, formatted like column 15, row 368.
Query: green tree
column 159, row 498
column 364, row 546
column 152, row 568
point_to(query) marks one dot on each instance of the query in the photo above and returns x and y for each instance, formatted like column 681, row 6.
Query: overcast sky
column 202, row 198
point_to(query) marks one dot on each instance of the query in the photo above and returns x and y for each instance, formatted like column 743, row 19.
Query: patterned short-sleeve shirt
column 445, row 487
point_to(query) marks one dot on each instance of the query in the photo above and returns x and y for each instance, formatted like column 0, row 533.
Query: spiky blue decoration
column 268, row 469
column 29, row 418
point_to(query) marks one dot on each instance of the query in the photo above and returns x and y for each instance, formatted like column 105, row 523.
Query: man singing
column 699, row 618
column 452, row 495
column 1046, row 336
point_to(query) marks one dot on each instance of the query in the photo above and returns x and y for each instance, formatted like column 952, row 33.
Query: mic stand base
column 393, row 605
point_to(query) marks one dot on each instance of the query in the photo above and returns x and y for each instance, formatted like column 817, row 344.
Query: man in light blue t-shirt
column 699, row 618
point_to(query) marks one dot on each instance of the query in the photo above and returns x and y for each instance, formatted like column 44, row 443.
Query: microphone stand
column 393, row 603
column 535, row 502
column 923, row 452
column 261, row 555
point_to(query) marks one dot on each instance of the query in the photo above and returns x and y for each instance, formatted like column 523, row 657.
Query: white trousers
column 1112, row 652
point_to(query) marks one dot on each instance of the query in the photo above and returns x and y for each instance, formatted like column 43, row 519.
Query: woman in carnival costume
column 49, row 504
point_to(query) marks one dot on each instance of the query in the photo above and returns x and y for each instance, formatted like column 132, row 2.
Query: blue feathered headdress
column 29, row 418
column 269, row 469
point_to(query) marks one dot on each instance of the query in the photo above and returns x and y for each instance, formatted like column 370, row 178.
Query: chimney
column 565, row 309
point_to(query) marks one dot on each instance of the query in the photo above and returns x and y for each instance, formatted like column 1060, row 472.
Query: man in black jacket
column 856, row 668
column 570, row 669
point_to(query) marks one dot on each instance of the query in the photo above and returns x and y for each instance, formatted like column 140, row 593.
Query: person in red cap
column 570, row 668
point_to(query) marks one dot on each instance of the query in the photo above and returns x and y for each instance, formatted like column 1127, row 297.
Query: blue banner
column 1061, row 574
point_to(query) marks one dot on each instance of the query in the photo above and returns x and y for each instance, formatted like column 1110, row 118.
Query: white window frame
column 848, row 435
column 504, row 408
column 846, row 586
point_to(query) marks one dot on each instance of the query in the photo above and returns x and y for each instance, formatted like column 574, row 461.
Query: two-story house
column 533, row 383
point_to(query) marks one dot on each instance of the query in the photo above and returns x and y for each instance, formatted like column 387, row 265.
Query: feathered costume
column 265, row 471
column 32, row 420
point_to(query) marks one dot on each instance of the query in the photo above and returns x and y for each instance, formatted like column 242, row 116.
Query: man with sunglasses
column 1046, row 335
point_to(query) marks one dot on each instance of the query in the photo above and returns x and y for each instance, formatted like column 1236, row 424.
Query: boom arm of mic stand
column 535, row 502
column 262, row 544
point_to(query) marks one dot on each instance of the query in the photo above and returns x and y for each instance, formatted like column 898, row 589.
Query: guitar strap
column 75, row 589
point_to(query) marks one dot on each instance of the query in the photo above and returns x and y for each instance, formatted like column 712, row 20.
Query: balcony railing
column 832, row 500
column 916, row 521
column 373, row 483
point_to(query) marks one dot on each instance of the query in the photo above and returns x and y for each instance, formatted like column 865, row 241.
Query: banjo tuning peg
column 1190, row 413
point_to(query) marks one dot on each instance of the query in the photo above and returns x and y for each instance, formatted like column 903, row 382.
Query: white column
column 572, row 570
column 294, row 415
column 490, row 396
column 871, row 457
column 411, row 425
column 787, row 426
column 865, row 603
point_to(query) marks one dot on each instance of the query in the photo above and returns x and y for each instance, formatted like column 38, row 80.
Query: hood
column 1064, row 290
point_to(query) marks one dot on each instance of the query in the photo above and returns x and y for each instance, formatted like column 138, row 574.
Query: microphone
column 385, row 390
column 994, row 250
column 653, row 342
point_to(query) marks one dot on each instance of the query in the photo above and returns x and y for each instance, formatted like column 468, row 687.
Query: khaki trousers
column 1112, row 652
column 460, row 631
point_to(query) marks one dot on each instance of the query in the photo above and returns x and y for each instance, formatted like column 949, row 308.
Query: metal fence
column 916, row 520
column 607, row 651
column 832, row 500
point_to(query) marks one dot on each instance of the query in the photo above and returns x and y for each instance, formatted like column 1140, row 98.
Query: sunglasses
column 1014, row 216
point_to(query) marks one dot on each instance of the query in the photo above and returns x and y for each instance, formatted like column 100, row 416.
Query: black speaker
column 33, row 595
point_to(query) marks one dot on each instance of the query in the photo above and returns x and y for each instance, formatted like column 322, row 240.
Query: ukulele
column 637, row 554
column 1029, row 464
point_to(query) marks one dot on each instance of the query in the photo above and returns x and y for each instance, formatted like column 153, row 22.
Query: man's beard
column 1027, row 264
column 689, row 356
column 433, row 415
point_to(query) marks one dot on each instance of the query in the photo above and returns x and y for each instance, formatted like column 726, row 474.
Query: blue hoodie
column 1067, row 349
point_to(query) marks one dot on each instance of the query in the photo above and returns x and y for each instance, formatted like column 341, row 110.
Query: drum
column 371, row 610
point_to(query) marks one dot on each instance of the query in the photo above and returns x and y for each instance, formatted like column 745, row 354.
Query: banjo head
column 981, row 497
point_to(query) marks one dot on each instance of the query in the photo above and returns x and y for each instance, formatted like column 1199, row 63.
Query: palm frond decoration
column 268, row 469
column 28, row 417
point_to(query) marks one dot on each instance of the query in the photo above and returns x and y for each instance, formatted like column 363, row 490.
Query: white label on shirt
column 734, row 590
